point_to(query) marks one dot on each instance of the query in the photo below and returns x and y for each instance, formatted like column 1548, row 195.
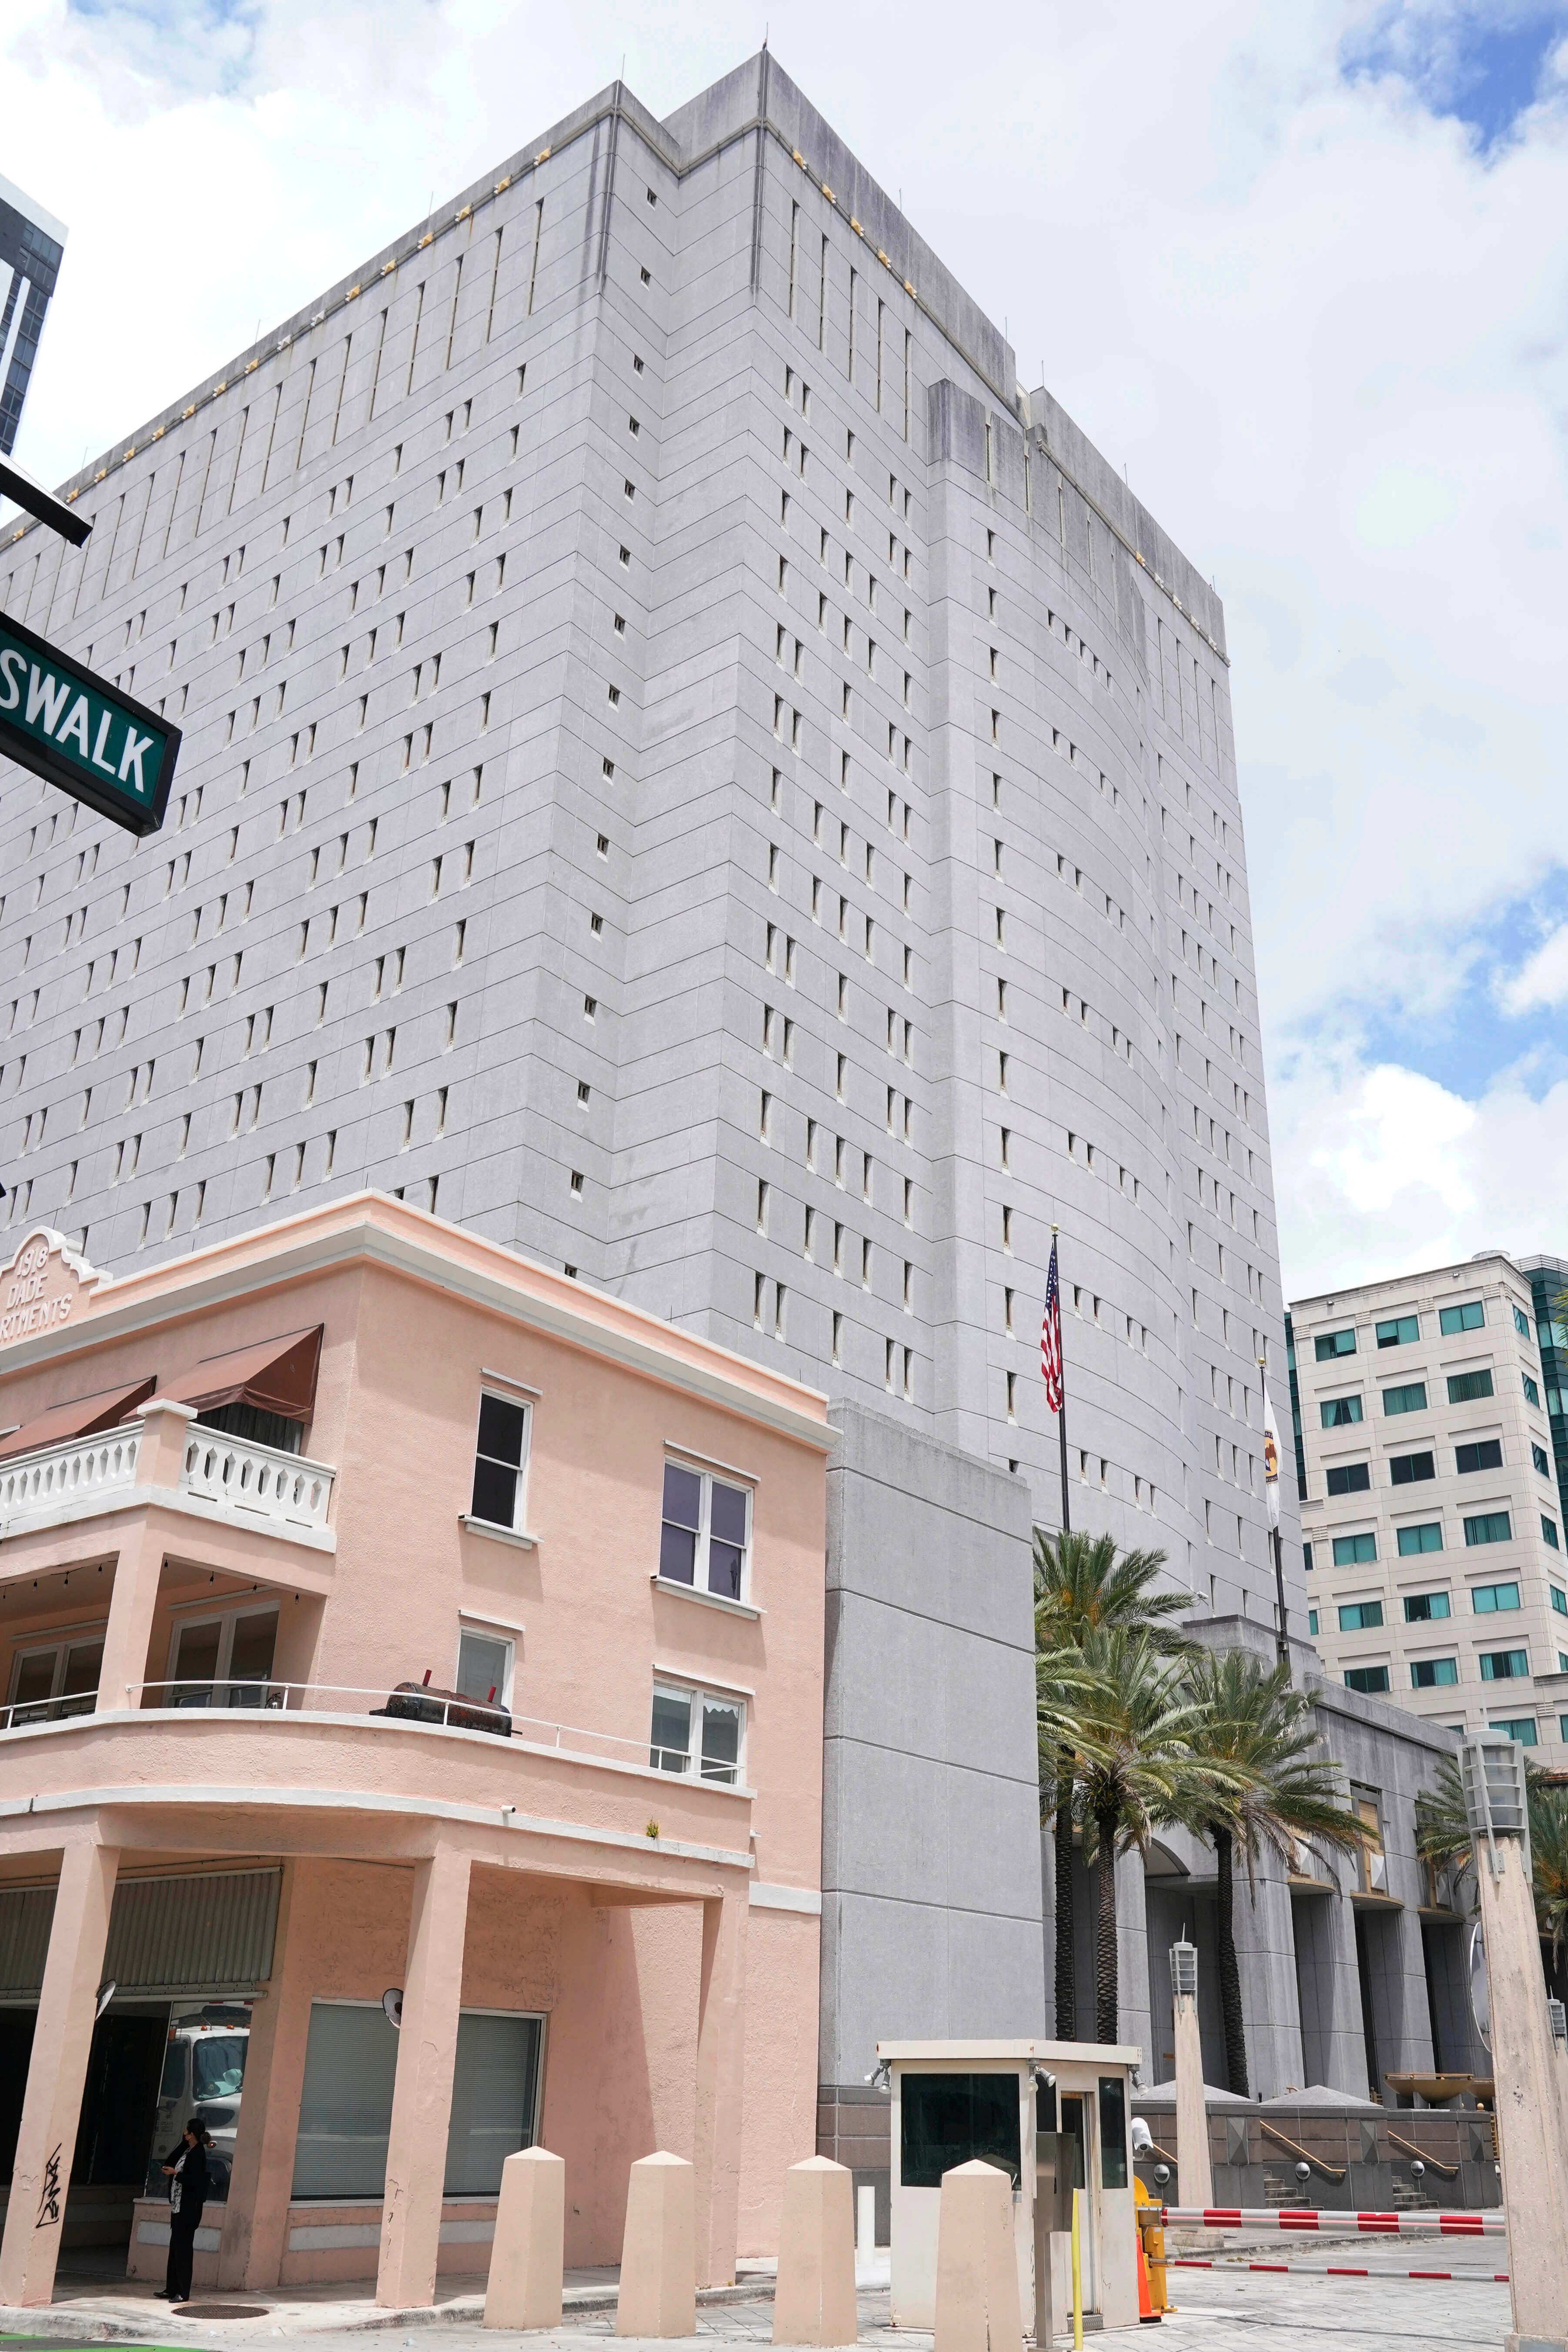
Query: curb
column 56, row 2324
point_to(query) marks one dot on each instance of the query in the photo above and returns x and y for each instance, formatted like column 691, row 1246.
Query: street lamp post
column 1195, row 2183
column 1531, row 2149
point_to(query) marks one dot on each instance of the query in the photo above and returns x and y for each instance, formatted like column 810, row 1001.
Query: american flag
column 1051, row 1338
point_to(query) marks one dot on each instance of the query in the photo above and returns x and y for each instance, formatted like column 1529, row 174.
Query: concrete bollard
column 977, row 2307
column 658, row 2253
column 528, row 2254
column 815, row 2303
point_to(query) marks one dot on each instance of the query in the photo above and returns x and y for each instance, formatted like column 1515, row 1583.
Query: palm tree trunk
column 1229, row 1973
column 1067, row 1958
column 1105, row 1961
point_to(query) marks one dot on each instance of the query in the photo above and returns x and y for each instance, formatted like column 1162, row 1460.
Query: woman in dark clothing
column 186, row 2168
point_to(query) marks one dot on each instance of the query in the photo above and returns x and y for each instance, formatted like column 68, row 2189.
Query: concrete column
column 1194, row 2175
column 255, row 2218
column 815, row 2303
column 527, row 2258
column 721, row 2052
column 1265, row 1954
column 1530, row 2128
column 421, row 2094
column 51, row 2105
column 658, row 2259
column 1134, row 2017
column 977, row 2305
column 140, row 1564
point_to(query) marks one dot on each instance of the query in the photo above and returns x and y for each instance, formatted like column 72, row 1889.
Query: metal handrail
column 1448, row 2171
column 1330, row 2171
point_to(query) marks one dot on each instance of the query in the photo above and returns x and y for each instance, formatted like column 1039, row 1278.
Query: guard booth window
column 1113, row 2132
column 951, row 2119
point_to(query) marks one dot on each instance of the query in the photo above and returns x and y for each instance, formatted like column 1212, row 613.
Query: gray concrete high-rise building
column 690, row 768
column 32, row 247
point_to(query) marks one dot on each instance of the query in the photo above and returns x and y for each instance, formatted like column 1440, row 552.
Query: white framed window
column 223, row 1660
column 53, row 1679
column 501, row 1461
column 698, row 1733
column 485, row 1658
column 705, row 1536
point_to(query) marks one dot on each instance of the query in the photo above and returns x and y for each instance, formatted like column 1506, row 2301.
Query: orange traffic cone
column 1147, row 2315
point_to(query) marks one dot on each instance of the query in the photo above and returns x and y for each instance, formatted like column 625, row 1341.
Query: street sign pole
column 76, row 731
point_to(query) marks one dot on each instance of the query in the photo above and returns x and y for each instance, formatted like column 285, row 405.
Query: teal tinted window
column 1410, row 1397
column 1531, row 1393
column 1334, row 1343
column 951, row 2119
column 1350, row 1478
column 1487, row 1600
column 1338, row 1412
column 1367, row 1679
column 1504, row 1665
column 1549, row 1532
column 1518, row 1727
column 1307, row 1557
column 1422, row 1608
column 1538, row 1455
column 1348, row 1549
column 1464, row 1388
column 1434, row 1674
column 1360, row 1616
column 1521, row 1322
column 1488, row 1527
column 1311, row 1621
column 1427, row 1537
column 1469, row 1317
column 1559, row 1600
column 1113, row 2132
column 1398, row 1331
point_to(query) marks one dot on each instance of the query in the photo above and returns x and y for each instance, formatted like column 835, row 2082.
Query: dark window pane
column 84, row 1659
column 1350, row 1478
column 1113, row 2132
column 952, row 2119
column 670, row 1741
column 724, row 1569
column 1408, row 1469
column 495, row 1493
column 677, row 1554
column 682, row 1496
column 729, row 1513
column 721, row 1739
column 1486, row 1455
column 500, row 1430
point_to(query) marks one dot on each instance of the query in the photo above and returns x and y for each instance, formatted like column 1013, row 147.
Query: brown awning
column 274, row 1375
column 83, row 1417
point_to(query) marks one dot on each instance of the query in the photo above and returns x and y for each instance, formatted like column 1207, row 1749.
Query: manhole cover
column 223, row 2310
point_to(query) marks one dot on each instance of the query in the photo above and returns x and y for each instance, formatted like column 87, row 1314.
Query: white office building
column 1432, row 1522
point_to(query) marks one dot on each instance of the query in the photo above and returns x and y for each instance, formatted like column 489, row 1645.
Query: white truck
column 204, row 2074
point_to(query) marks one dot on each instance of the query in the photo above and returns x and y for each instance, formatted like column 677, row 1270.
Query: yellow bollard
column 1146, row 2212
column 1077, row 2278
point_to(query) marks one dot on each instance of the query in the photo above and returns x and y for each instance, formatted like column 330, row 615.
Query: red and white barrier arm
column 1342, row 2270
column 1311, row 2220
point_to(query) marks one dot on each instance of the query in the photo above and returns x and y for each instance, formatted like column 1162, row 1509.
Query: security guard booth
column 1054, row 2116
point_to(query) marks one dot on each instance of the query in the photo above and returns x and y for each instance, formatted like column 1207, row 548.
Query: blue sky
column 1299, row 268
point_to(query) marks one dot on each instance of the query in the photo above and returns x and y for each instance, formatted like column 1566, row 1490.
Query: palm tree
column 1549, row 1857
column 1138, row 1769
column 1442, row 1824
column 1082, row 1585
column 1269, row 1790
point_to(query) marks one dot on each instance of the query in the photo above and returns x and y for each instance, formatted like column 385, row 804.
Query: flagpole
column 1282, row 1639
column 1062, row 1415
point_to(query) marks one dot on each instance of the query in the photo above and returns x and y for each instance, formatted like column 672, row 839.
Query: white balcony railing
column 82, row 1468
column 241, row 1479
column 257, row 1479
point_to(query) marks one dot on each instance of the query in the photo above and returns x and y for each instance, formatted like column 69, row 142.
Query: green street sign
column 79, row 732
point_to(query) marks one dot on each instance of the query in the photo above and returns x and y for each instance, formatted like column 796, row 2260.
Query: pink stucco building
column 244, row 1499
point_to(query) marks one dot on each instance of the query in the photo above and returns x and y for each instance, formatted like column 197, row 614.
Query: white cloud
column 1543, row 979
column 1392, row 1172
column 1322, row 334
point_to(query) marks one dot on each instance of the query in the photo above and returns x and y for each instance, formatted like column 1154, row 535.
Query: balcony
column 229, row 1478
